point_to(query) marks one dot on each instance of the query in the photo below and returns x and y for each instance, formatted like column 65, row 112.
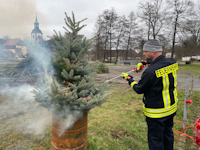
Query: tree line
column 175, row 23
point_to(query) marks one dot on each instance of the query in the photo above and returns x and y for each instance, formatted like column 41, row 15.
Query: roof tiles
column 12, row 41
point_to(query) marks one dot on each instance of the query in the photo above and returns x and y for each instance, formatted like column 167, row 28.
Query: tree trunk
column 110, row 51
column 149, row 31
column 128, row 45
column 110, row 43
column 98, row 49
column 174, row 37
column 105, row 51
column 117, row 54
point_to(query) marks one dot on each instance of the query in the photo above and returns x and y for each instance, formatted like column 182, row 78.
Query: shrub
column 102, row 68
column 188, row 62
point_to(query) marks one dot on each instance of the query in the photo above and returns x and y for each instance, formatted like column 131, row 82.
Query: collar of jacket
column 158, row 58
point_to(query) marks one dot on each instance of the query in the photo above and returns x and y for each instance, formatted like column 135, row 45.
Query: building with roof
column 16, row 46
column 36, row 34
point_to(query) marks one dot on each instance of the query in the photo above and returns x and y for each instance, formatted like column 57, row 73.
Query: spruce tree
column 73, row 86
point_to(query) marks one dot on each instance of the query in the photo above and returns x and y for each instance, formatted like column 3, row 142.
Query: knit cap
column 152, row 45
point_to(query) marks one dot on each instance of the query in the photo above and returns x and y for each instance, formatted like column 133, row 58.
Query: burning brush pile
column 32, row 66
column 28, row 67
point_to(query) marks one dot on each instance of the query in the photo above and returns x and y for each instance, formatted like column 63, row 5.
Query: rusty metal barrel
column 73, row 139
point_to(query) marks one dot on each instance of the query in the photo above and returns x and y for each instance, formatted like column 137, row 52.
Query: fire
column 89, row 97
column 65, row 93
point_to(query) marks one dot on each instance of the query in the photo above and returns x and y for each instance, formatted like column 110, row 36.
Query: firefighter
column 158, row 84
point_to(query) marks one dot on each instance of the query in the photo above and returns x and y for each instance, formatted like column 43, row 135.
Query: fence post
column 185, row 107
column 191, row 93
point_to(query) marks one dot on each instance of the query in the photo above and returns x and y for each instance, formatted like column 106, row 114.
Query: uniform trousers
column 160, row 134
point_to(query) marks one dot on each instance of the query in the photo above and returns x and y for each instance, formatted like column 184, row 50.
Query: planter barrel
column 73, row 139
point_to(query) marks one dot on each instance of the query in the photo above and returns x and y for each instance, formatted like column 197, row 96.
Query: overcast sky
column 17, row 17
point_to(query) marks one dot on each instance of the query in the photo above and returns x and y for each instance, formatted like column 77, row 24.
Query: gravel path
column 183, row 80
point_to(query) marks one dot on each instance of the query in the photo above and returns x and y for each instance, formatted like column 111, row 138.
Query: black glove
column 125, row 75
column 143, row 62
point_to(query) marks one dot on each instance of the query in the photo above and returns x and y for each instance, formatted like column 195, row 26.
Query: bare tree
column 98, row 39
column 119, row 33
column 110, row 17
column 105, row 37
column 179, row 11
column 153, row 14
column 131, row 32
column 191, row 31
column 103, row 34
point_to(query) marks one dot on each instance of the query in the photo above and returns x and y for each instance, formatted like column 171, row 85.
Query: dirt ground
column 23, row 108
column 183, row 80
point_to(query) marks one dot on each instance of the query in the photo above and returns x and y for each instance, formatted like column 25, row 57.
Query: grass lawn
column 118, row 125
column 7, row 65
column 190, row 69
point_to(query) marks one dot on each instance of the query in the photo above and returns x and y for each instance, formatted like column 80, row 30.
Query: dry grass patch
column 118, row 125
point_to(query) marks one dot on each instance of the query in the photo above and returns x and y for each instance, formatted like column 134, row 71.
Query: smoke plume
column 19, row 110
column 18, row 17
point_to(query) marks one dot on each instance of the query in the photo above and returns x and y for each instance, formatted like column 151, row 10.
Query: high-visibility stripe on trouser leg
column 133, row 83
column 165, row 92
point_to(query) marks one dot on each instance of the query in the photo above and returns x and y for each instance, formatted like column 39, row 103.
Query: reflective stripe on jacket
column 158, row 83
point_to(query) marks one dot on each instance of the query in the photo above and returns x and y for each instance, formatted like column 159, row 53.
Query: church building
column 36, row 34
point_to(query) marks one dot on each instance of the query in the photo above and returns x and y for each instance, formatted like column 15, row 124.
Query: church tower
column 36, row 34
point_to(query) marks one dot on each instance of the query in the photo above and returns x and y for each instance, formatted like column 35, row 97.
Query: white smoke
column 20, row 111
column 18, row 106
column 18, row 17
column 39, row 123
column 66, row 122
